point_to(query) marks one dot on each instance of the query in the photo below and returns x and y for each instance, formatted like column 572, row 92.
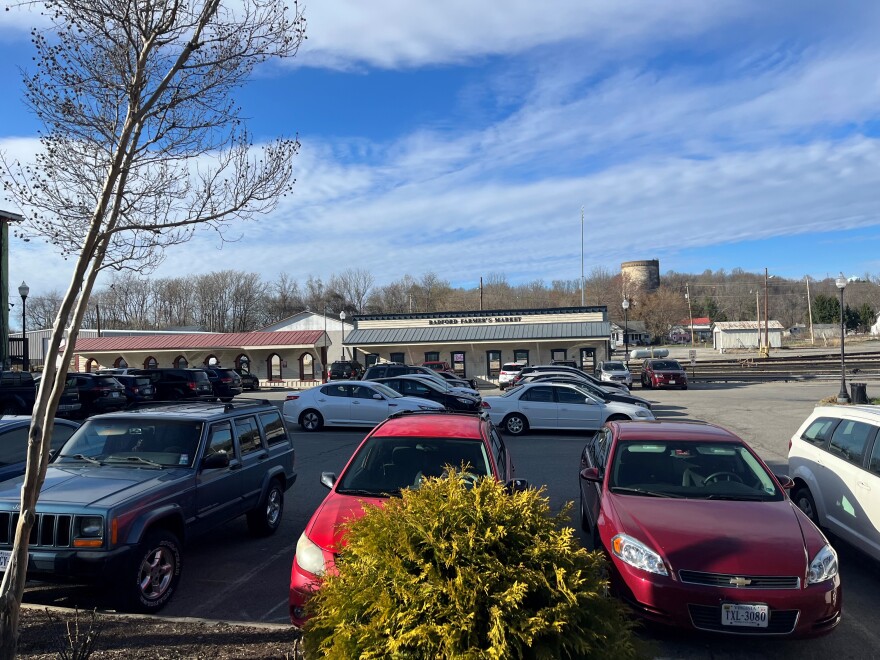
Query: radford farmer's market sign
column 476, row 319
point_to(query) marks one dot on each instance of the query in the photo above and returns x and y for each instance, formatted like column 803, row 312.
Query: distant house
column 637, row 334
column 681, row 332
column 733, row 335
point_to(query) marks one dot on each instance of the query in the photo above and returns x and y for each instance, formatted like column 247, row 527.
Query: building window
column 557, row 354
column 370, row 359
column 120, row 363
column 397, row 357
column 180, row 362
column 150, row 363
column 493, row 363
column 521, row 356
column 90, row 364
column 306, row 367
column 458, row 363
column 273, row 366
column 212, row 361
column 243, row 362
column 432, row 356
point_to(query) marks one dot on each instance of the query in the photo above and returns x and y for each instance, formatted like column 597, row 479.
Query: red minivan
column 399, row 453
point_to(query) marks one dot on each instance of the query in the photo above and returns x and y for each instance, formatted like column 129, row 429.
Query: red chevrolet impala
column 700, row 534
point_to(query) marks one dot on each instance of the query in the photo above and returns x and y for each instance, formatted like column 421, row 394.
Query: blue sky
column 463, row 138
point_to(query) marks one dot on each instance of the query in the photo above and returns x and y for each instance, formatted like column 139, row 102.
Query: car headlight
column 641, row 405
column 309, row 556
column 644, row 412
column 427, row 407
column 823, row 567
column 463, row 400
column 637, row 554
column 90, row 527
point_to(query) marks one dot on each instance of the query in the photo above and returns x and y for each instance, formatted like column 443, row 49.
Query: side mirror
column 591, row 474
column 785, row 481
column 516, row 485
column 378, row 396
column 328, row 479
column 216, row 460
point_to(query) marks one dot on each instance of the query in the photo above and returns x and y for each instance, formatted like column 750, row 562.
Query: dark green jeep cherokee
column 128, row 489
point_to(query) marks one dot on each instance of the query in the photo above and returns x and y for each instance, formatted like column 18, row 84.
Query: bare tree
column 354, row 284
column 41, row 310
column 661, row 310
column 141, row 145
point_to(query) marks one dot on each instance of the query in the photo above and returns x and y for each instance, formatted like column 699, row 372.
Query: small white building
column 745, row 335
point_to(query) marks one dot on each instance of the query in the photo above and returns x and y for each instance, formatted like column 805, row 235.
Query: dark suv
column 128, row 489
column 17, row 392
column 345, row 370
column 226, row 383
column 178, row 384
column 98, row 393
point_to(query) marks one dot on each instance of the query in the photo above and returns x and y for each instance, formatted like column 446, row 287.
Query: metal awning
column 591, row 330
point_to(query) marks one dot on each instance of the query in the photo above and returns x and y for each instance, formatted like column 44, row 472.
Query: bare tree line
column 238, row 301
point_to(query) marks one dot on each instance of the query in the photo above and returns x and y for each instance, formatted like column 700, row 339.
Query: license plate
column 114, row 395
column 672, row 381
column 5, row 558
column 750, row 616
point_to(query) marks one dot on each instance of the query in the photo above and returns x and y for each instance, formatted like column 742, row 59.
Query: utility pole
column 766, row 318
column 810, row 310
column 481, row 294
column 687, row 294
column 758, row 313
column 583, row 281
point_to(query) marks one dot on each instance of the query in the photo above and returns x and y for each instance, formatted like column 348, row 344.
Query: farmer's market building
column 477, row 343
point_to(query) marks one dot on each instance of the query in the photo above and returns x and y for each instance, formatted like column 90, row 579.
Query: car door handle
column 263, row 456
column 235, row 466
column 862, row 484
column 392, row 405
column 355, row 403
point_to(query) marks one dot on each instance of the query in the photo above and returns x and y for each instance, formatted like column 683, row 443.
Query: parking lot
column 232, row 576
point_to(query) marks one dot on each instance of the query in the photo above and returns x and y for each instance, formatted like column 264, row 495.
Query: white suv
column 834, row 459
column 614, row 371
column 509, row 371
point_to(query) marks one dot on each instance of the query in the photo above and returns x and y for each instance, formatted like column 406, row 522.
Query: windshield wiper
column 641, row 491
column 133, row 459
column 80, row 457
column 361, row 491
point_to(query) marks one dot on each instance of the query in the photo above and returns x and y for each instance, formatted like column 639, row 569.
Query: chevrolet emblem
column 740, row 582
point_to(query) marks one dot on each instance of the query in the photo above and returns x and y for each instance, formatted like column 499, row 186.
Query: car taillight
column 192, row 385
column 292, row 397
column 484, row 404
column 135, row 390
column 225, row 380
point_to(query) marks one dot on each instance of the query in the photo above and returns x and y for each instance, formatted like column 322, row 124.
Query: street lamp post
column 625, row 305
column 842, row 396
column 342, row 318
column 23, row 291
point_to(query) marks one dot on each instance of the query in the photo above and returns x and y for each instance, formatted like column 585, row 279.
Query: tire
column 803, row 498
column 255, row 387
column 516, row 424
column 153, row 574
column 311, row 420
column 684, row 387
column 266, row 518
column 646, row 383
column 226, row 399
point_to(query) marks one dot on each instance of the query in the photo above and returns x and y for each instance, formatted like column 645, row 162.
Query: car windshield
column 670, row 365
column 695, row 470
column 385, row 465
column 512, row 367
column 126, row 441
column 384, row 389
column 614, row 366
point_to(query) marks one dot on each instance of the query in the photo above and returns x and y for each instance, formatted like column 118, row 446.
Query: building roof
column 632, row 327
column 702, row 320
column 242, row 340
column 747, row 325
column 474, row 333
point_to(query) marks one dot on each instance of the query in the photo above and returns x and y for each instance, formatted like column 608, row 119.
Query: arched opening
column 151, row 363
column 273, row 366
column 307, row 366
column 180, row 362
column 212, row 361
column 90, row 365
column 120, row 363
column 243, row 362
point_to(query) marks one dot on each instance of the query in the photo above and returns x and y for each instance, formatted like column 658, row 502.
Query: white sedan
column 348, row 403
column 556, row 406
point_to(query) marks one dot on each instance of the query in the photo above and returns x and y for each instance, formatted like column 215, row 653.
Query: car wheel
column 255, row 387
column 154, row 573
column 266, row 518
column 226, row 399
column 311, row 420
column 805, row 502
column 684, row 387
column 646, row 383
column 516, row 424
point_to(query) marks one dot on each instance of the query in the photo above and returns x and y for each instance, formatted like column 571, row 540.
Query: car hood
column 716, row 536
column 326, row 528
column 92, row 486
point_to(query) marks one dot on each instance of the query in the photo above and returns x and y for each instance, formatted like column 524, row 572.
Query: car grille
column 708, row 617
column 49, row 530
column 730, row 581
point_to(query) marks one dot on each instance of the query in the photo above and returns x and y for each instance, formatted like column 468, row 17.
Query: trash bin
column 859, row 392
